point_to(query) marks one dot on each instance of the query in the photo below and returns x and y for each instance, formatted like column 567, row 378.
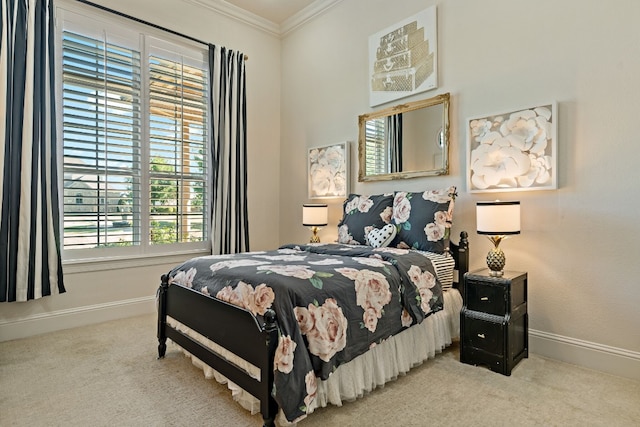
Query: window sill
column 117, row 263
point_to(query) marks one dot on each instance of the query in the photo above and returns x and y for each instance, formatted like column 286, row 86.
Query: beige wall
column 578, row 243
column 101, row 292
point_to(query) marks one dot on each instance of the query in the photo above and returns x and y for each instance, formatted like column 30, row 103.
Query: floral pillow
column 361, row 215
column 423, row 220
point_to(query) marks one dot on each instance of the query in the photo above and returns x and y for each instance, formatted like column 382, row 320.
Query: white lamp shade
column 316, row 215
column 498, row 218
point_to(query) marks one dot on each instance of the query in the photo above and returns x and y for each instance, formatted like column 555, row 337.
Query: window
column 134, row 136
column 376, row 147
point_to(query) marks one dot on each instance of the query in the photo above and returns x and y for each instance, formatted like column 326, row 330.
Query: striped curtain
column 30, row 264
column 230, row 226
column 394, row 139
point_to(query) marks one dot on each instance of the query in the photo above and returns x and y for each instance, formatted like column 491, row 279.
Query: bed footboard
column 234, row 328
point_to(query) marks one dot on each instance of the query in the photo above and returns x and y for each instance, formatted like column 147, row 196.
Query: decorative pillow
column 444, row 264
column 361, row 215
column 381, row 237
column 423, row 220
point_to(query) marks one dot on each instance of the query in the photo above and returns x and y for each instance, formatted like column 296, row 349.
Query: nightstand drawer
column 486, row 297
column 484, row 335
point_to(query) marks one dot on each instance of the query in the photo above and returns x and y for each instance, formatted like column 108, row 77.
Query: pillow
column 423, row 220
column 444, row 264
column 361, row 215
column 381, row 237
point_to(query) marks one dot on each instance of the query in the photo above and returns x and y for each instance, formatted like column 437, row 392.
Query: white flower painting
column 328, row 171
column 513, row 151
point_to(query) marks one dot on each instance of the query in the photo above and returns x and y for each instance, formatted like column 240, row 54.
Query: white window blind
column 134, row 137
column 102, row 133
column 376, row 147
column 177, row 137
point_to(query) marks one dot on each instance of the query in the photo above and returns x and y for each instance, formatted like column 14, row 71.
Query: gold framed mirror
column 405, row 141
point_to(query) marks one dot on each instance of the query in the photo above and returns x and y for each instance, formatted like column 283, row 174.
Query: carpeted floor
column 108, row 375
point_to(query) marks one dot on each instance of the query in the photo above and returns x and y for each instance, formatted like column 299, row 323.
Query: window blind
column 101, row 93
column 177, row 135
column 375, row 147
column 134, row 134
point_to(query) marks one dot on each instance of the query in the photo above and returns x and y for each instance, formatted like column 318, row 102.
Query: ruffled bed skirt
column 384, row 362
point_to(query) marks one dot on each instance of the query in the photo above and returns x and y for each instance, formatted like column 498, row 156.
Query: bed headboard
column 460, row 253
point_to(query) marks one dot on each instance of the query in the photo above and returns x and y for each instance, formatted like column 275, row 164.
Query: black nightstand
column 493, row 321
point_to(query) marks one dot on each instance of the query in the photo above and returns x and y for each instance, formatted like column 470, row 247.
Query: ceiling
column 276, row 11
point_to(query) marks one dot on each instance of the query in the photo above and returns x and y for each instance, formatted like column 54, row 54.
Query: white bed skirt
column 384, row 362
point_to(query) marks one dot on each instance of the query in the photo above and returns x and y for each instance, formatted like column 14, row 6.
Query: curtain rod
column 142, row 21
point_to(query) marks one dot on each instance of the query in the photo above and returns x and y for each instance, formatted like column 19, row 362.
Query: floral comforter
column 333, row 302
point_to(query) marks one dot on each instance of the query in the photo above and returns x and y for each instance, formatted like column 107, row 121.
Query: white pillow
column 381, row 237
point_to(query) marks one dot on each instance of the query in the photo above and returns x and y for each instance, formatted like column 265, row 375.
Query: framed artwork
column 328, row 171
column 403, row 58
column 514, row 151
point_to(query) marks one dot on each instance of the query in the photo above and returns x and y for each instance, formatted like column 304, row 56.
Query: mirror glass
column 405, row 141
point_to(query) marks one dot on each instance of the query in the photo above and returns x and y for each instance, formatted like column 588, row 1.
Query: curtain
column 394, row 136
column 230, row 225
column 30, row 263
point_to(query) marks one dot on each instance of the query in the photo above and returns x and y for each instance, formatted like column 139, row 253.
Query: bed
column 296, row 328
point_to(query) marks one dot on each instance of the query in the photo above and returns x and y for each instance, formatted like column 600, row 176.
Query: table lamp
column 314, row 216
column 497, row 220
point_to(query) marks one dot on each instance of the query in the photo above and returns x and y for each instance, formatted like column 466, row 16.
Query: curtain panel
column 30, row 262
column 394, row 141
column 229, row 213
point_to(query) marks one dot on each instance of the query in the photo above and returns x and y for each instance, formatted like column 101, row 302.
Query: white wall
column 120, row 289
column 578, row 243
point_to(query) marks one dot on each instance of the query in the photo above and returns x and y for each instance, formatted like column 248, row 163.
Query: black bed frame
column 238, row 331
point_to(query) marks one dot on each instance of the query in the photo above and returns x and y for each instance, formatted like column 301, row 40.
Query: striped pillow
column 444, row 264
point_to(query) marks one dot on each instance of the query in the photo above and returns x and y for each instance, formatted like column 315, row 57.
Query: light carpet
column 107, row 375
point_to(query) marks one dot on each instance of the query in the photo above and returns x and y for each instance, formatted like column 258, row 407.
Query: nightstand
column 493, row 321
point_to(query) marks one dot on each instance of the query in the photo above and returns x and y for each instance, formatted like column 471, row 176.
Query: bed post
column 462, row 260
column 463, row 253
column 268, row 405
column 162, row 316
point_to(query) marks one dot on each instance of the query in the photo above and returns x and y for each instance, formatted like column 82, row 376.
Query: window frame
column 141, row 36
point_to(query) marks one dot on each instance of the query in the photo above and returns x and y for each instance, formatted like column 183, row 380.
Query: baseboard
column 64, row 319
column 612, row 360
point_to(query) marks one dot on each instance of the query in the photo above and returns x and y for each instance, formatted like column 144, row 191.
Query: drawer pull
column 481, row 336
column 484, row 299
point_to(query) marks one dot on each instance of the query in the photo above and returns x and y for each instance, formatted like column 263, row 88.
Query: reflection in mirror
column 405, row 141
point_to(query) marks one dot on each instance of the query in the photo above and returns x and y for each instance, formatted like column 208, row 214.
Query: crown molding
column 305, row 15
column 227, row 9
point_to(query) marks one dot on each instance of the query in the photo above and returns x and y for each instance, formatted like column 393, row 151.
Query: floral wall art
column 328, row 171
column 513, row 151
